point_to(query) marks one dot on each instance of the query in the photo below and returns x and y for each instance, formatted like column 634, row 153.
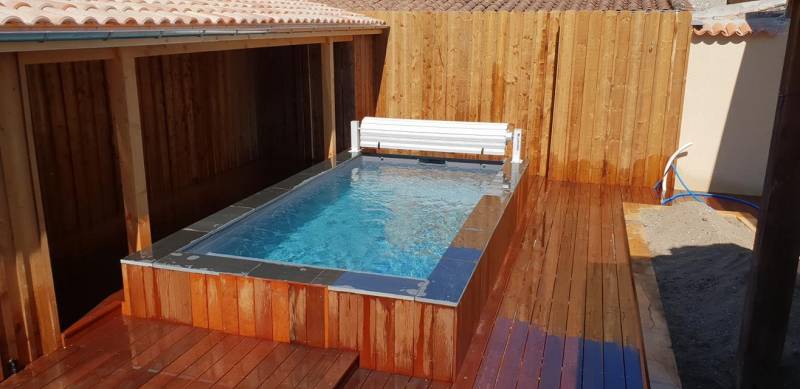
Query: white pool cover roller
column 434, row 135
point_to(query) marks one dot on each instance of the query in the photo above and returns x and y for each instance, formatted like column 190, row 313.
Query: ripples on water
column 391, row 217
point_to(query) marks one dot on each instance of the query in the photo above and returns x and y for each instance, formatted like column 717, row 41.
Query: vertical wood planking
column 229, row 303
column 581, row 84
column 262, row 296
column 280, row 311
column 316, row 315
column 199, row 300
column 214, row 293
column 246, row 309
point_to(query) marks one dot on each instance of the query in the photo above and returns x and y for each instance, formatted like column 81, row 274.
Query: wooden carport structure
column 113, row 43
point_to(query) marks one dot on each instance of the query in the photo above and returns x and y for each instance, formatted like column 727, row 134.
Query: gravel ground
column 701, row 260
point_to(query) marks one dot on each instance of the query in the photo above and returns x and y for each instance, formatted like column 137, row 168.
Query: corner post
column 124, row 101
column 33, row 295
column 775, row 253
column 328, row 100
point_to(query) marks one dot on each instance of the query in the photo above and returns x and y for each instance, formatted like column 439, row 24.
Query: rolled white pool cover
column 477, row 138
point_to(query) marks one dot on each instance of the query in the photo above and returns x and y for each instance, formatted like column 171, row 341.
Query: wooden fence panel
column 597, row 93
column 625, row 117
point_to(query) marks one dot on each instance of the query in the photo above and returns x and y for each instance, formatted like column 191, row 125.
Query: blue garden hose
column 697, row 195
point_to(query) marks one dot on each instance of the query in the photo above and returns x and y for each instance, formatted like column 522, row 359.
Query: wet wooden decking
column 565, row 313
column 123, row 352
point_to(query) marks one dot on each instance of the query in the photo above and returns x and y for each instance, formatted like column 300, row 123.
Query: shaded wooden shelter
column 124, row 122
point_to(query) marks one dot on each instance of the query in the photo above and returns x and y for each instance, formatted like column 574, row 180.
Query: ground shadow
column 702, row 289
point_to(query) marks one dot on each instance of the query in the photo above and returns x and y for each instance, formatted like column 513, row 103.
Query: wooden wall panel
column 597, row 93
column 218, row 126
column 79, row 179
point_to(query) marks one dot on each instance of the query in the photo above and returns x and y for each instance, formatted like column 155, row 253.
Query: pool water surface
column 390, row 216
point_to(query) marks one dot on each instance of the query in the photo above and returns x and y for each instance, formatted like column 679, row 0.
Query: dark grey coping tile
column 328, row 277
column 292, row 181
column 260, row 198
column 381, row 285
column 165, row 246
column 291, row 273
column 448, row 281
column 204, row 263
column 218, row 219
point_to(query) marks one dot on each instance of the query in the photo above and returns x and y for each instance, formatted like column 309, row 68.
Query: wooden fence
column 598, row 94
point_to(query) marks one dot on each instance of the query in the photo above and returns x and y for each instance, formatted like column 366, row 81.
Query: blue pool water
column 392, row 216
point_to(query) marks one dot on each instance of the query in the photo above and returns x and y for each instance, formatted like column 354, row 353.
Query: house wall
column 731, row 96
column 598, row 94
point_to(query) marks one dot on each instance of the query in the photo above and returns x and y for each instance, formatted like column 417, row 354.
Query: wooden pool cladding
column 393, row 335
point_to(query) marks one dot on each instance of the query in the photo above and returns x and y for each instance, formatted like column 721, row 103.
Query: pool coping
column 445, row 285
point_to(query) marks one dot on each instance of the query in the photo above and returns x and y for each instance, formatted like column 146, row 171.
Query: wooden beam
column 776, row 249
column 222, row 40
column 328, row 100
column 124, row 101
column 33, row 273
column 60, row 56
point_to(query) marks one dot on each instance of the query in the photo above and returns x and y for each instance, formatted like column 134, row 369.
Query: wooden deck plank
column 559, row 305
column 581, row 326
column 333, row 376
column 592, row 371
column 299, row 372
column 218, row 370
column 239, row 371
column 357, row 379
column 184, row 361
column 267, row 366
column 285, row 368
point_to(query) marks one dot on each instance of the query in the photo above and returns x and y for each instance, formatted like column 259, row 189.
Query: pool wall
column 410, row 336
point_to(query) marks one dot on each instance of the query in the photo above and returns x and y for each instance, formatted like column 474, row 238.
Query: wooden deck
column 564, row 312
column 124, row 352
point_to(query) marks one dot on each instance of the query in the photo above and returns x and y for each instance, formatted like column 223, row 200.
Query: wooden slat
column 280, row 311
column 229, row 302
column 246, row 308
column 328, row 101
column 30, row 253
column 124, row 102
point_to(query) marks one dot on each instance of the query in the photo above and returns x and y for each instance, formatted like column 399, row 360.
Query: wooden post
column 34, row 293
column 777, row 245
column 124, row 101
column 328, row 100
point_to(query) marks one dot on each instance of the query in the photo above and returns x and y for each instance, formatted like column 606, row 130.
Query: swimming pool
column 393, row 216
column 357, row 253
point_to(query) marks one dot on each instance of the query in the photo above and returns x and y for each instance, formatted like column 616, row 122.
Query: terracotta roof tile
column 171, row 13
column 498, row 5
column 769, row 23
